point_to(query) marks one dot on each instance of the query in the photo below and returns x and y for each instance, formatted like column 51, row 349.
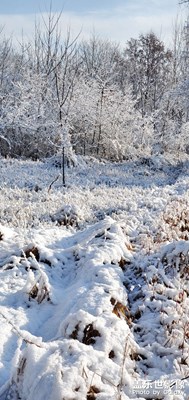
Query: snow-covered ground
column 94, row 296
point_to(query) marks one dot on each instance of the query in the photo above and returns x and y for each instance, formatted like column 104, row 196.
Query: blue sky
column 30, row 6
column 117, row 20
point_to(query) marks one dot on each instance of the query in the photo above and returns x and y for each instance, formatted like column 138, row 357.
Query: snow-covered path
column 66, row 299
column 94, row 283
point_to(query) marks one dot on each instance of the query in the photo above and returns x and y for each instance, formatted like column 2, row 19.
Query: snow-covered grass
column 94, row 297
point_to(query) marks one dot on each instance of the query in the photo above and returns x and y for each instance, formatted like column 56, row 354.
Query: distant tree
column 178, row 61
column 149, row 70
column 102, row 60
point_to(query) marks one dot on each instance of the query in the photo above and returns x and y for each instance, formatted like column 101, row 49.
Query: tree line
column 93, row 97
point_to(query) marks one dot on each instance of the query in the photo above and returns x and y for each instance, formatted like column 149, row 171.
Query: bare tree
column 57, row 60
column 177, row 62
column 65, row 74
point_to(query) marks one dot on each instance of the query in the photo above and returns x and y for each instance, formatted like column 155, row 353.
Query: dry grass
column 32, row 251
column 90, row 333
column 66, row 217
column 174, row 222
column 93, row 391
column 121, row 311
column 39, row 292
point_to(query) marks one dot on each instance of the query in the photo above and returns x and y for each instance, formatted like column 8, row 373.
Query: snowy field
column 94, row 296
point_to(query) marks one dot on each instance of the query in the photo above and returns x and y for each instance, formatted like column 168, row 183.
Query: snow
column 94, row 295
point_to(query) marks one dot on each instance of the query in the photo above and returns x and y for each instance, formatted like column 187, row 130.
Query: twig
column 50, row 186
column 18, row 332
column 120, row 386
column 181, row 379
column 103, row 378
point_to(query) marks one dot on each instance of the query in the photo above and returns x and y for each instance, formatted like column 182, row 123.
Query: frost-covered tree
column 172, row 115
column 106, row 124
column 102, row 60
column 149, row 70
column 11, row 68
column 29, row 123
column 58, row 96
column 172, row 119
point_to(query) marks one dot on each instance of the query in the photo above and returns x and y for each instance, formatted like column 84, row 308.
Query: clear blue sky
column 117, row 20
